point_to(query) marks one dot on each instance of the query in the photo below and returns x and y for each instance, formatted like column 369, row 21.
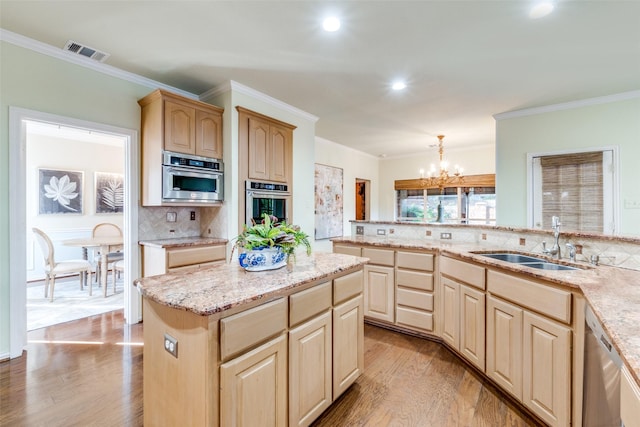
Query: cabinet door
column 379, row 298
column 310, row 370
column 450, row 312
column 348, row 344
column 258, row 149
column 629, row 399
column 253, row 387
column 504, row 345
column 546, row 377
column 208, row 134
column 280, row 150
column 179, row 128
column 472, row 318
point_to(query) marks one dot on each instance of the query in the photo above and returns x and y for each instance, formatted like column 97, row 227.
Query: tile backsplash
column 153, row 225
column 619, row 252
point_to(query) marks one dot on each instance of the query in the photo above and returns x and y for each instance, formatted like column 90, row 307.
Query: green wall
column 39, row 82
column 615, row 123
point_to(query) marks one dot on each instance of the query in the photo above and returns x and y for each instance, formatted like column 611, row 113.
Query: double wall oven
column 266, row 198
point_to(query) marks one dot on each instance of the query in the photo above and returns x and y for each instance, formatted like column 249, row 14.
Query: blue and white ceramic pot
column 265, row 258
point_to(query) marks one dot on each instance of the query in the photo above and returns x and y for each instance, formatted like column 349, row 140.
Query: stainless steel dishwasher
column 601, row 398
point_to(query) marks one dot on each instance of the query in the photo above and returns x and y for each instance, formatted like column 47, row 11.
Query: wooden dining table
column 106, row 244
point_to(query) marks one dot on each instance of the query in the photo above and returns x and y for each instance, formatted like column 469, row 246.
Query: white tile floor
column 70, row 303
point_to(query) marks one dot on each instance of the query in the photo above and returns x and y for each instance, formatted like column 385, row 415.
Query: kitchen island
column 224, row 346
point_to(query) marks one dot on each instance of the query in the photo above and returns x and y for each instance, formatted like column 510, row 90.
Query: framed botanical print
column 109, row 190
column 60, row 191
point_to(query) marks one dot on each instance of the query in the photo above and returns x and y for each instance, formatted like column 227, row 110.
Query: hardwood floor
column 89, row 372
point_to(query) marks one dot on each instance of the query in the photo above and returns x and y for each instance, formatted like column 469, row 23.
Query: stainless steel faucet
column 555, row 249
column 572, row 251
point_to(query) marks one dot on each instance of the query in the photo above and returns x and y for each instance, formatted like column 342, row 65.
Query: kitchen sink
column 516, row 258
column 548, row 266
column 527, row 261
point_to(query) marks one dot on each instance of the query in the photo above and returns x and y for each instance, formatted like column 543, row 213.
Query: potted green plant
column 269, row 244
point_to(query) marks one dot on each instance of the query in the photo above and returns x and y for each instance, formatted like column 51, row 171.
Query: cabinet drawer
column 544, row 299
column 306, row 304
column 195, row 255
column 348, row 250
column 252, row 327
column 465, row 272
column 414, row 318
column 348, row 286
column 414, row 279
column 415, row 299
column 378, row 256
column 414, row 260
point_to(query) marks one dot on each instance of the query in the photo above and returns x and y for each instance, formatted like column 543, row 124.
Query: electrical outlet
column 359, row 229
column 171, row 345
column 172, row 216
column 381, row 232
column 391, row 231
column 193, row 215
column 446, row 236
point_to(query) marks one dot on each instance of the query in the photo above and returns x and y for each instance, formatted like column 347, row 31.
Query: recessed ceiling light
column 331, row 24
column 541, row 9
column 399, row 85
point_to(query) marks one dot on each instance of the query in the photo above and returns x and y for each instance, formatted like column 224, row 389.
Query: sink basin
column 549, row 266
column 516, row 258
column 527, row 261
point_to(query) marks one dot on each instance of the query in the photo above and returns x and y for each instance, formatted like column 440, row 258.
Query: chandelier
column 442, row 178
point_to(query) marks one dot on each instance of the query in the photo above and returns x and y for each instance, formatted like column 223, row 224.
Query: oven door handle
column 194, row 173
column 268, row 194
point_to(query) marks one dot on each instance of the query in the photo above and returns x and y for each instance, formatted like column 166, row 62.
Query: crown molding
column 345, row 147
column 232, row 85
column 46, row 49
column 568, row 105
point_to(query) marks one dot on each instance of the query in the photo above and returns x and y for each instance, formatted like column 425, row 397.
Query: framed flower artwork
column 109, row 193
column 60, row 191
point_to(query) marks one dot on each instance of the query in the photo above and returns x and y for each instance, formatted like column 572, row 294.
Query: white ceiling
column 464, row 61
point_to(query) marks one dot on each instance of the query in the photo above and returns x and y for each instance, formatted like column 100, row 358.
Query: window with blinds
column 572, row 188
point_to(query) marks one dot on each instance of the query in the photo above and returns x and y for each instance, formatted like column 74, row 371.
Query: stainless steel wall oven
column 264, row 197
column 192, row 179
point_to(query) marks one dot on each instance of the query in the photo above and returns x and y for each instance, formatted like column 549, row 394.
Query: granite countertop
column 612, row 292
column 225, row 286
column 184, row 242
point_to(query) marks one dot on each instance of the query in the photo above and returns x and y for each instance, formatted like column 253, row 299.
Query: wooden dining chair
column 118, row 268
column 52, row 268
column 107, row 229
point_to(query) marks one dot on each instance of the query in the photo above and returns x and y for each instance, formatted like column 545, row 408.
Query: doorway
column 68, row 195
column 18, row 121
column 363, row 192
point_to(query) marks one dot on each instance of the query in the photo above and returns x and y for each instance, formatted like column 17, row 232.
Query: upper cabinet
column 268, row 147
column 174, row 123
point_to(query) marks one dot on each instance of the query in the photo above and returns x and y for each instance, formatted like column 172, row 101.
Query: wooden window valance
column 484, row 180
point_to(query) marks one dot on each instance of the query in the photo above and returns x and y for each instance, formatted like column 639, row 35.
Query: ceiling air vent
column 86, row 51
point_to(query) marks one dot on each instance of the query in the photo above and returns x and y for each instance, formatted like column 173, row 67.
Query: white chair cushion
column 71, row 266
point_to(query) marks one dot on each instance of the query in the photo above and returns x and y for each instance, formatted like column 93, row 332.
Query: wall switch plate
column 171, row 345
column 446, row 236
column 359, row 229
column 381, row 232
column 193, row 215
column 172, row 216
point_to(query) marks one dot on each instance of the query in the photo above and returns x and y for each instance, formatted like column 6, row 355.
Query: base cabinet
column 629, row 400
column 348, row 339
column 310, row 376
column 546, row 377
column 379, row 292
column 253, row 387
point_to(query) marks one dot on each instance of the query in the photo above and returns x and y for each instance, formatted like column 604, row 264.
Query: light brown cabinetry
column 414, row 290
column 526, row 346
column 379, row 291
column 270, row 150
column 348, row 338
column 162, row 260
column 174, row 123
column 463, row 308
column 629, row 399
column 253, row 390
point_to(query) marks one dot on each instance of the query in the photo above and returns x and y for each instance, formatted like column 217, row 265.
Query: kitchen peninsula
column 224, row 346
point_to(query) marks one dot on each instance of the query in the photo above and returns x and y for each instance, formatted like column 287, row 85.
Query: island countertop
column 226, row 286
